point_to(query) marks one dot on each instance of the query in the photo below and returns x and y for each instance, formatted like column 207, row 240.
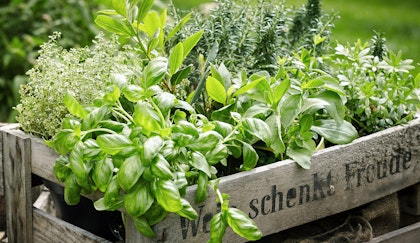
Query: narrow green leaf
column 216, row 90
column 144, row 7
column 191, row 41
column 247, row 87
column 176, row 58
column 112, row 25
column 178, row 26
column 202, row 184
column 280, row 90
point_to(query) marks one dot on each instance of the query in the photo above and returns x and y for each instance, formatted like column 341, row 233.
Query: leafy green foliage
column 26, row 25
column 380, row 89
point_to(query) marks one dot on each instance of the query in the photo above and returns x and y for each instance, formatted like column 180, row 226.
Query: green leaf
column 198, row 161
column 94, row 117
column 189, row 4
column 133, row 93
column 300, row 155
column 216, row 90
column 112, row 96
column 152, row 146
column 165, row 101
column 72, row 191
column 112, row 25
column 337, row 133
column 176, row 58
column 145, row 117
column 151, row 24
column 102, row 173
column 113, row 143
column 74, row 107
column 247, row 87
column 143, row 8
column 250, row 157
column 138, row 200
column 179, row 76
column 78, row 166
column 305, row 123
column 178, row 26
column 335, row 105
column 242, row 225
column 280, row 90
column 130, row 172
column 64, row 141
column 112, row 194
column 187, row 210
column 217, row 154
column 202, row 184
column 167, row 195
column 154, row 72
column 118, row 5
column 217, row 227
column 289, row 109
column 191, row 41
column 206, row 141
column 258, row 128
column 143, row 226
column 61, row 168
column 161, row 168
column 155, row 214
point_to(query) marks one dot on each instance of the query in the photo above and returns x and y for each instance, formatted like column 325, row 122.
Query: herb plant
column 380, row 89
column 142, row 144
column 150, row 125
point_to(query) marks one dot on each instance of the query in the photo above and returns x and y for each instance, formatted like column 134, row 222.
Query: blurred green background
column 26, row 24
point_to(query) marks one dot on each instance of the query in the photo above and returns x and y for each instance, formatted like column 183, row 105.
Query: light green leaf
column 250, row 157
column 129, row 172
column 187, row 210
column 143, row 226
column 112, row 25
column 144, row 7
column 247, row 87
column 242, row 225
column 300, row 155
column 191, row 41
column 178, row 26
column 145, row 117
column 176, row 58
column 74, row 107
column 198, row 161
column 138, row 200
column 216, row 90
column 289, row 109
column 258, row 128
column 167, row 195
column 154, row 72
column 151, row 23
column 113, row 143
column 280, row 90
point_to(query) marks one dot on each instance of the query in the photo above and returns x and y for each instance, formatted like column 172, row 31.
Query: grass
column 398, row 19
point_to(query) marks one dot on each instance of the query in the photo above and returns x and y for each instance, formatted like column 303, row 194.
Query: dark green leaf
column 112, row 197
column 78, row 166
column 206, row 141
column 250, row 157
column 64, row 141
column 217, row 154
column 180, row 75
column 155, row 214
column 61, row 168
column 72, row 191
column 143, row 226
column 305, row 123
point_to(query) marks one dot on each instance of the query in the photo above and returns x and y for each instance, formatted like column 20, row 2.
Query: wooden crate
column 408, row 234
column 277, row 196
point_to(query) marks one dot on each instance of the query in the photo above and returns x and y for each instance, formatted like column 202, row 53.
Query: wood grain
column 18, row 190
column 408, row 234
column 47, row 228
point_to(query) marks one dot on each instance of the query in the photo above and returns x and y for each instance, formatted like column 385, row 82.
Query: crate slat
column 408, row 234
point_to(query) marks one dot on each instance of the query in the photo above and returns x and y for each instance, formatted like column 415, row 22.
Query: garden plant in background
column 175, row 104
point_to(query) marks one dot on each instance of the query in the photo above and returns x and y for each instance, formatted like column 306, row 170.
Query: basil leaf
column 78, row 166
column 301, row 155
column 151, row 146
column 198, row 161
column 113, row 143
column 138, row 200
column 250, row 157
column 161, row 168
column 73, row 106
column 202, row 184
column 180, row 75
column 242, row 225
column 217, row 154
column 206, row 141
column 112, row 192
column 143, row 226
column 187, row 210
column 72, row 191
column 112, row 25
column 167, row 195
column 258, row 128
column 64, row 141
column 154, row 72
column 144, row 116
column 94, row 117
column 102, row 173
column 61, row 168
column 130, row 172
column 218, row 227
column 155, row 214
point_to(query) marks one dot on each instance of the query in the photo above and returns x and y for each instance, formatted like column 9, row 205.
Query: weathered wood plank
column 408, row 234
column 17, row 178
column 1, row 165
column 47, row 228
column 282, row 195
